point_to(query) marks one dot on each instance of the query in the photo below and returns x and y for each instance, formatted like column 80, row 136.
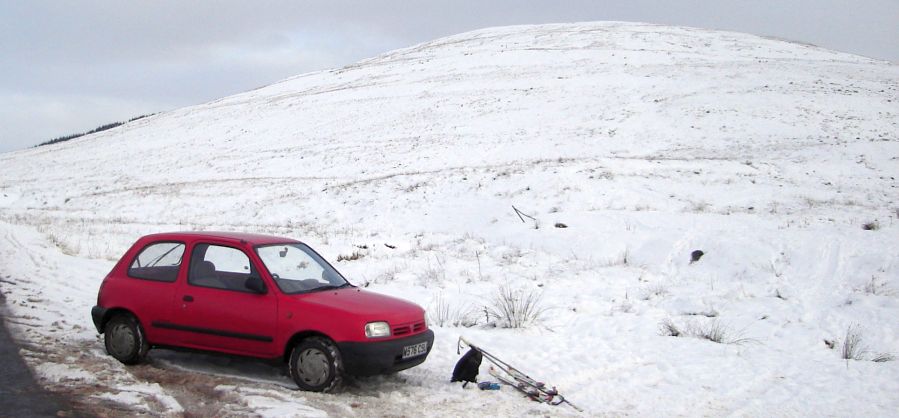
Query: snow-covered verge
column 777, row 160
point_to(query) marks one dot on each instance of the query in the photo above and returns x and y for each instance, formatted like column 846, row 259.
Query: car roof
column 252, row 239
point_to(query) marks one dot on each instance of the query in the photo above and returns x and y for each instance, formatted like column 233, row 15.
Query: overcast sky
column 70, row 66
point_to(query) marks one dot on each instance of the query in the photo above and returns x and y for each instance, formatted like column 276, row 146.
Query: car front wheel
column 315, row 365
column 125, row 339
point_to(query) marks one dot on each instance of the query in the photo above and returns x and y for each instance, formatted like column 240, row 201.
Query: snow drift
column 778, row 160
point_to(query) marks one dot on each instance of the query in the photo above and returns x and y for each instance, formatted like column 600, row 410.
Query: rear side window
column 158, row 261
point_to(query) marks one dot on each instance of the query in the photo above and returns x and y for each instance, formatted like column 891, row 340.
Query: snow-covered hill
column 648, row 142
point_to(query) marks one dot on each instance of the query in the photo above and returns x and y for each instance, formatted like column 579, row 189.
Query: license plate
column 415, row 350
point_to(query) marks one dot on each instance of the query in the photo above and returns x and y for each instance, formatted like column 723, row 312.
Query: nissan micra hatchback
column 258, row 296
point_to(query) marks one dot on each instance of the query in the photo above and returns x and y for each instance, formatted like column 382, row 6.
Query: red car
column 258, row 296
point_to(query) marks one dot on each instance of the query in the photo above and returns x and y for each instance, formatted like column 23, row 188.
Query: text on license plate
column 415, row 350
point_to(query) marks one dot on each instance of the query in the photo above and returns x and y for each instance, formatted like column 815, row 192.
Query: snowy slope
column 647, row 141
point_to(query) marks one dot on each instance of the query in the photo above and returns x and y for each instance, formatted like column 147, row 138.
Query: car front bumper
column 382, row 357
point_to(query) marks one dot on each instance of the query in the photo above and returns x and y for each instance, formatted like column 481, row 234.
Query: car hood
column 359, row 302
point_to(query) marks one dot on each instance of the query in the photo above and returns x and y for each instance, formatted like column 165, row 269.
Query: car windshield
column 298, row 269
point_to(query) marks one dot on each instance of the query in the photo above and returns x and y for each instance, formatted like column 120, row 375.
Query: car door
column 214, row 310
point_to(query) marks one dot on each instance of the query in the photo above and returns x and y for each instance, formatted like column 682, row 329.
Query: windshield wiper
column 332, row 287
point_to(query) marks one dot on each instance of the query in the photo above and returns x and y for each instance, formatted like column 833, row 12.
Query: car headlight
column 377, row 329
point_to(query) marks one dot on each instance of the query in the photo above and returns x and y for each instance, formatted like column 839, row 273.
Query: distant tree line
column 100, row 128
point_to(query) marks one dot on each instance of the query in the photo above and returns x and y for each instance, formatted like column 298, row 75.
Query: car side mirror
column 255, row 285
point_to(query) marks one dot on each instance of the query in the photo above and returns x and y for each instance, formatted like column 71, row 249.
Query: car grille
column 411, row 328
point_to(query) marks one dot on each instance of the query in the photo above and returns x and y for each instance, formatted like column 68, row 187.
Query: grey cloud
column 164, row 54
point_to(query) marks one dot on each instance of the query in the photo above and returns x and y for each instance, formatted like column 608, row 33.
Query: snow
column 136, row 394
column 132, row 399
column 270, row 403
column 648, row 142
column 57, row 373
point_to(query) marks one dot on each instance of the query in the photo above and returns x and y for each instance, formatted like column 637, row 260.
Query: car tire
column 125, row 340
column 315, row 365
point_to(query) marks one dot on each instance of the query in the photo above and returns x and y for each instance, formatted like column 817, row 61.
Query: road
column 20, row 395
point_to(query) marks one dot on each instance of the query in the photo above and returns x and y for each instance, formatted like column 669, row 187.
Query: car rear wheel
column 315, row 365
column 125, row 339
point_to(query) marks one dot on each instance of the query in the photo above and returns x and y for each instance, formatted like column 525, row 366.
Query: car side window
column 219, row 267
column 159, row 261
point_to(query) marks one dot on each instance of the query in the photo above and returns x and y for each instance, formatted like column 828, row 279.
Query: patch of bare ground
column 196, row 392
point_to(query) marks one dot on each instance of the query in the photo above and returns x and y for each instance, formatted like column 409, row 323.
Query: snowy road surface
column 20, row 396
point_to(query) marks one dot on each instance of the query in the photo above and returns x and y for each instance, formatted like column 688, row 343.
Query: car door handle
column 188, row 298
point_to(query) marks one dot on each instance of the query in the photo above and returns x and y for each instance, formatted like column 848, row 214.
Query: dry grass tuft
column 516, row 308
